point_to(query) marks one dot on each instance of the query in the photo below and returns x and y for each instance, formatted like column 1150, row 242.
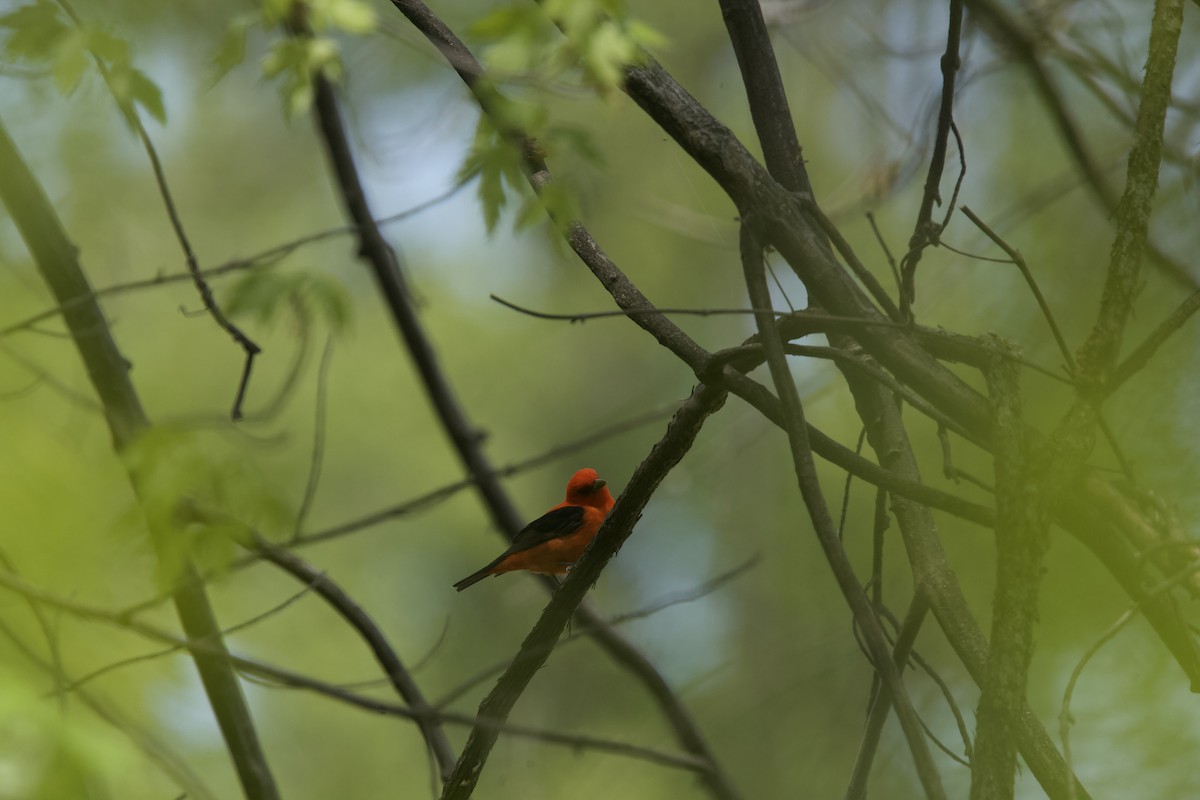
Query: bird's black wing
column 551, row 525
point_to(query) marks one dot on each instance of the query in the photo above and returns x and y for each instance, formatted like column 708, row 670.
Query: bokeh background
column 767, row 661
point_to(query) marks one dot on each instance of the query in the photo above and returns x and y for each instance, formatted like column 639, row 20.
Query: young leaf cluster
column 305, row 49
column 44, row 34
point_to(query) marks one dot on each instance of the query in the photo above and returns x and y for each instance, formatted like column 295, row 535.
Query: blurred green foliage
column 767, row 663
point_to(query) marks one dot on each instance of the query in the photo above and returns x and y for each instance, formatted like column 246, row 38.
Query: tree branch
column 466, row 439
column 296, row 680
column 108, row 371
column 1022, row 528
column 1122, row 283
column 926, row 231
column 536, row 648
column 814, row 501
column 353, row 613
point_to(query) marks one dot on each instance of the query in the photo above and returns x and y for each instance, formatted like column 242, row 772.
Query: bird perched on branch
column 552, row 543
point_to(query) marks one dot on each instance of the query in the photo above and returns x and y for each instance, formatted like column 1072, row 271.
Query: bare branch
column 264, row 258
column 1030, row 281
column 576, row 634
column 1146, row 350
column 923, row 231
column 193, row 264
column 1022, row 536
column 814, row 501
column 318, row 448
column 295, row 680
column 151, row 744
column 1065, row 719
column 56, row 258
column 680, row 435
column 883, row 701
column 358, row 619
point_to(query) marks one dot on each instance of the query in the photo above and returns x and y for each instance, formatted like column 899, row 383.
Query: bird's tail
column 474, row 578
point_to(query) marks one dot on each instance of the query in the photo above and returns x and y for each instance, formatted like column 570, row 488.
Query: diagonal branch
column 814, row 500
column 1146, row 350
column 1122, row 284
column 353, row 613
column 284, row 677
column 1022, row 536
column 1000, row 25
column 680, row 435
column 57, row 260
column 617, row 647
column 248, row 346
column 936, row 584
column 764, row 87
column 925, row 231
column 150, row 743
column 466, row 439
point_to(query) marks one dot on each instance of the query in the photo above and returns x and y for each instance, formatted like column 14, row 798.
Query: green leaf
column 329, row 299
column 507, row 22
column 263, row 293
column 145, row 93
column 36, row 31
column 286, row 55
column 606, row 53
column 577, row 18
column 493, row 160
column 296, row 62
column 645, row 35
column 556, row 204
column 110, row 49
column 232, row 50
column 70, row 62
column 491, row 195
column 199, row 497
column 275, row 11
column 259, row 294
column 575, row 140
column 350, row 16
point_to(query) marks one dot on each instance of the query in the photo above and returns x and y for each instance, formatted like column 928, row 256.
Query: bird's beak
column 599, row 484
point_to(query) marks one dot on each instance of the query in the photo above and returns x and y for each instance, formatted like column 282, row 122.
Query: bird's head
column 587, row 488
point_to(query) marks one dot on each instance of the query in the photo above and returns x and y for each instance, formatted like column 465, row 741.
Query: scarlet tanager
column 553, row 542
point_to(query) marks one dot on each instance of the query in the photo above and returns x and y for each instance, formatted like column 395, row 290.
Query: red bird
column 553, row 542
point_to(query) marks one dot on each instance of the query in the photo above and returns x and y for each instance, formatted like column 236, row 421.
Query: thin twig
column 318, row 448
column 130, row 111
column 1030, row 281
column 1142, row 354
column 962, row 176
column 847, row 253
column 150, row 743
column 280, row 676
column 55, row 664
column 1065, row 719
column 887, row 253
column 264, row 258
column 924, row 232
column 536, row 647
column 841, row 527
column 383, row 651
column 79, row 682
column 814, row 501
column 577, row 634
column 584, row 316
